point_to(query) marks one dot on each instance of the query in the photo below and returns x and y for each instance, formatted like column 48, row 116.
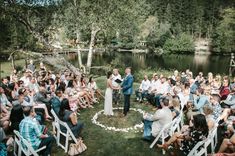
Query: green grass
column 6, row 67
column 101, row 142
column 118, row 121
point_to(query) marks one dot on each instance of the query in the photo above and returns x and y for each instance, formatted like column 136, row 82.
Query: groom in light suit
column 127, row 90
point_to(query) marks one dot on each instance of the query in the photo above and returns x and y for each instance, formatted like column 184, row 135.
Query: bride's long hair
column 109, row 74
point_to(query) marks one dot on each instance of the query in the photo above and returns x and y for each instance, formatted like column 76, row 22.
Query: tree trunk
column 94, row 31
column 78, row 36
column 13, row 62
column 78, row 51
column 57, row 61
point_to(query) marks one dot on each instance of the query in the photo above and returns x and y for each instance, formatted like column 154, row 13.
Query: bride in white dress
column 108, row 101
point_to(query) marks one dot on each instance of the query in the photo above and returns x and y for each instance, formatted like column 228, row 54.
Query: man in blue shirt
column 127, row 90
column 200, row 100
column 33, row 132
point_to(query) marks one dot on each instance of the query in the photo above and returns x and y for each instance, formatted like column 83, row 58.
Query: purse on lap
column 75, row 149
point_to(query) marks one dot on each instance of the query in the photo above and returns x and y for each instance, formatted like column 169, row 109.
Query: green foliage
column 181, row 43
column 28, row 23
column 224, row 37
column 158, row 33
column 126, row 22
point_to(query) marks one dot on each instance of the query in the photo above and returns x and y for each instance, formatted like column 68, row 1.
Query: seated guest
column 175, row 107
column 4, row 117
column 232, row 84
column 17, row 112
column 227, row 112
column 70, row 117
column 176, row 74
column 2, row 135
column 26, row 78
column 200, row 99
column 143, row 89
column 3, row 98
column 208, row 111
column 33, row 132
column 14, row 76
column 228, row 144
column 40, row 108
column 5, row 86
column 210, row 78
column 183, row 98
column 56, row 101
column 154, row 85
column 197, row 131
column 229, row 123
column 14, row 92
column 74, row 95
column 92, row 86
column 33, row 85
column 194, row 85
column 162, row 90
column 224, row 90
column 230, row 100
column 154, row 123
column 41, row 97
column 215, row 102
column 216, row 85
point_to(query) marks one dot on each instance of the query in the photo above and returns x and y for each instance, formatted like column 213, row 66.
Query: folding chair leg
column 163, row 141
column 19, row 151
column 66, row 142
column 58, row 137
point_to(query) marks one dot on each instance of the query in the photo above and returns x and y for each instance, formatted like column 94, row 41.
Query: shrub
column 181, row 43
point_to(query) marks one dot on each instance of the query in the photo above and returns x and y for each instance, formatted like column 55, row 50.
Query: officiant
column 117, row 79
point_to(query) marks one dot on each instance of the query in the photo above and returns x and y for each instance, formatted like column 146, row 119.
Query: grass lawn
column 6, row 67
column 102, row 142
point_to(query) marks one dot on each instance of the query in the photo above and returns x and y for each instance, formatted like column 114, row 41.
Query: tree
column 224, row 37
column 36, row 17
column 109, row 16
column 67, row 18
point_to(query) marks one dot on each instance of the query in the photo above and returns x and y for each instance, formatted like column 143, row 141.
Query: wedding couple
column 126, row 87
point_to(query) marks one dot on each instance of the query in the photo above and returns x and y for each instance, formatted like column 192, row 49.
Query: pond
column 196, row 63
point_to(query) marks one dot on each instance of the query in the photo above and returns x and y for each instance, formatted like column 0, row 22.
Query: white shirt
column 4, row 100
column 34, row 86
column 163, row 88
column 25, row 80
column 115, row 77
column 160, row 118
column 145, row 84
column 92, row 86
column 155, row 84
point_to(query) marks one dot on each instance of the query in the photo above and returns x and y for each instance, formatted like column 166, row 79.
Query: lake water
column 196, row 63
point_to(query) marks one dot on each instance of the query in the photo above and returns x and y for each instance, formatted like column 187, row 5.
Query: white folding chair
column 163, row 134
column 210, row 140
column 175, row 124
column 196, row 151
column 213, row 138
column 24, row 146
column 68, row 134
column 17, row 144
